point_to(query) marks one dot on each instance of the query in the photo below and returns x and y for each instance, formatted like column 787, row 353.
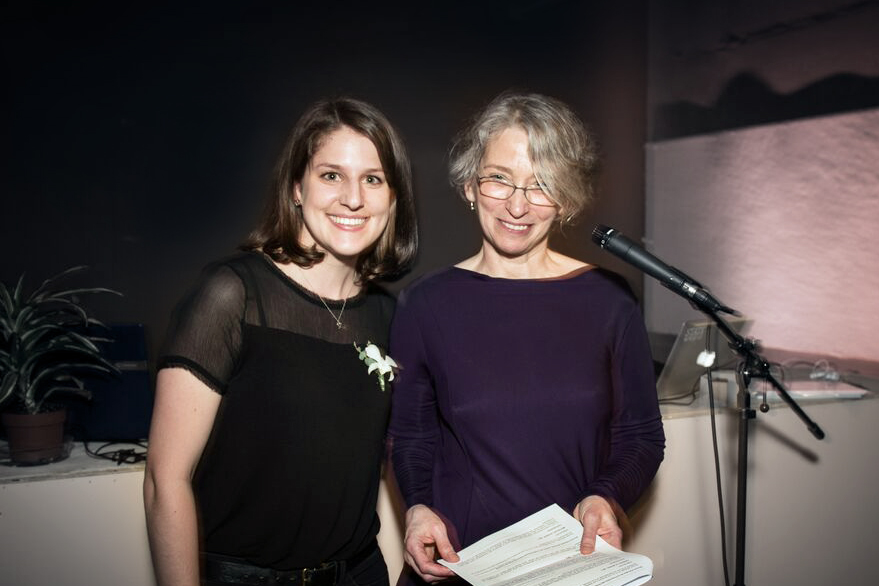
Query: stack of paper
column 544, row 550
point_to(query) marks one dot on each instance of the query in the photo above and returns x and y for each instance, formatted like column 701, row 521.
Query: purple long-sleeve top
column 516, row 394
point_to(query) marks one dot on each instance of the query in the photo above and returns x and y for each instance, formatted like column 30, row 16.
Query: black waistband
column 234, row 571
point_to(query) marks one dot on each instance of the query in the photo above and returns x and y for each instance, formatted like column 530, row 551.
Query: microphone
column 611, row 240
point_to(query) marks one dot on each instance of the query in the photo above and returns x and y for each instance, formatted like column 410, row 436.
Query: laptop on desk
column 680, row 374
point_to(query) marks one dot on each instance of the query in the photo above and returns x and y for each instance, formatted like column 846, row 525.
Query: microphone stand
column 751, row 366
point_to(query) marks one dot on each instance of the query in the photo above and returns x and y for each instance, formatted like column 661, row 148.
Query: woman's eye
column 373, row 180
column 330, row 176
column 499, row 177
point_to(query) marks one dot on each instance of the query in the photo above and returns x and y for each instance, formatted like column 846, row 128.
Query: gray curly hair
column 564, row 155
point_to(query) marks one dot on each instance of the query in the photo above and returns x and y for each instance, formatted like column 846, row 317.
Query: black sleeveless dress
column 290, row 475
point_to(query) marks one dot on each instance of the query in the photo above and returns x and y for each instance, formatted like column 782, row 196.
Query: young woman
column 268, row 431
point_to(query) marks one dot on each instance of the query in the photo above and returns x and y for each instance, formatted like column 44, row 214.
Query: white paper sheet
column 544, row 550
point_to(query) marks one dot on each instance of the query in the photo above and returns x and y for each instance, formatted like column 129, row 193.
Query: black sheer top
column 290, row 475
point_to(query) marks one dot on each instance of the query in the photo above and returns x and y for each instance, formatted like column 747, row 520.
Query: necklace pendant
column 336, row 318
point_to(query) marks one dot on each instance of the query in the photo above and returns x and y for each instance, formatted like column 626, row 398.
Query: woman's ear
column 470, row 193
column 562, row 216
column 297, row 194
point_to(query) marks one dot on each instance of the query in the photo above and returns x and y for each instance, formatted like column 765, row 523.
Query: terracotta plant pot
column 35, row 438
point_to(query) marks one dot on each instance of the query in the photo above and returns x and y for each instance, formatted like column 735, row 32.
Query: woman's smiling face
column 345, row 198
column 512, row 227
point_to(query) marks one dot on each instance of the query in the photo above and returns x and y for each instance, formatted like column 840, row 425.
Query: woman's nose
column 352, row 196
column 517, row 204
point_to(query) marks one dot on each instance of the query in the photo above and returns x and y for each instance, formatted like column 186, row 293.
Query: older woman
column 526, row 375
column 266, row 420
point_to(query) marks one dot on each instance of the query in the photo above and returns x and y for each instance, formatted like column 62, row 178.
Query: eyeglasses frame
column 524, row 188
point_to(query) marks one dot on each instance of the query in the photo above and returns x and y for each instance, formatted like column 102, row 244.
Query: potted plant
column 46, row 345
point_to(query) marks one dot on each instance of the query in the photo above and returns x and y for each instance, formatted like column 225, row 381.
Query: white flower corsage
column 375, row 361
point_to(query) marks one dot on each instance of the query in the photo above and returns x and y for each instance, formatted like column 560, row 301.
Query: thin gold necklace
column 336, row 318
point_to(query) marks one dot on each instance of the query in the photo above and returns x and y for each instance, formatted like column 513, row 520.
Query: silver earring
column 472, row 207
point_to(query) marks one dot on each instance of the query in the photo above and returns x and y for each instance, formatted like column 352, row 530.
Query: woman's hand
column 426, row 537
column 597, row 516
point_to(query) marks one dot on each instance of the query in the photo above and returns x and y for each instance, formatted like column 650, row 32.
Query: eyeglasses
column 497, row 188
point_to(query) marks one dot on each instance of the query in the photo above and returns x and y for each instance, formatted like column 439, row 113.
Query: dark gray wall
column 138, row 139
column 730, row 64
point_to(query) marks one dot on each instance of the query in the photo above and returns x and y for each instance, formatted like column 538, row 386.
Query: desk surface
column 725, row 398
column 79, row 463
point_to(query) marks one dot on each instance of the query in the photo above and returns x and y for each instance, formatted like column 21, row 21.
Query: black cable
column 691, row 395
column 723, row 545
column 677, row 399
column 718, row 480
column 120, row 455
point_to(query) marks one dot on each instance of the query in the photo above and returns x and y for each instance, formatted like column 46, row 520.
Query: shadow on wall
column 749, row 101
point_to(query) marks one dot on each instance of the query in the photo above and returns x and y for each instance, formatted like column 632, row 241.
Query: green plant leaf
column 45, row 287
column 7, row 385
column 35, row 355
column 6, row 303
column 85, row 290
column 41, row 344
column 68, row 390
column 63, row 367
column 5, row 360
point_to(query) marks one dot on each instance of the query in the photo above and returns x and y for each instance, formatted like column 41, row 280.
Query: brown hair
column 281, row 225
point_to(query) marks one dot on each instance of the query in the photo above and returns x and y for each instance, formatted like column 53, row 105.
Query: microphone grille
column 600, row 234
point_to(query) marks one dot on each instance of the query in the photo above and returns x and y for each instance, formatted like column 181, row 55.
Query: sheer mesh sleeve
column 204, row 335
